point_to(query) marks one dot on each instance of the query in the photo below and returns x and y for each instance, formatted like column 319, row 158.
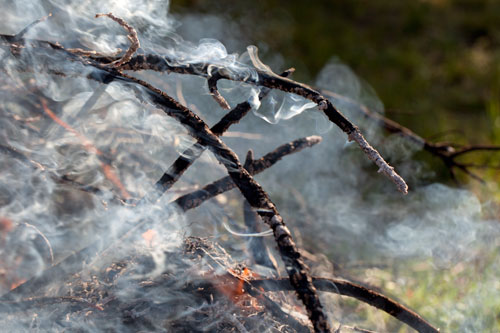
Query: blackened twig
column 196, row 198
column 20, row 35
column 267, row 78
column 447, row 152
column 212, row 87
column 346, row 288
column 132, row 36
column 187, row 158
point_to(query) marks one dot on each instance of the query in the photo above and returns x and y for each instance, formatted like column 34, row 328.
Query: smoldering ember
column 135, row 197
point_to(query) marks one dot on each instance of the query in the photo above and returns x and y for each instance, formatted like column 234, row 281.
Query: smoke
column 330, row 196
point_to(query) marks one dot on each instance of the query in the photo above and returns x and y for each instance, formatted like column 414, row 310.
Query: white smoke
column 330, row 195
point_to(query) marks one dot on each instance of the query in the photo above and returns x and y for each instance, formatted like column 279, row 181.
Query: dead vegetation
column 223, row 295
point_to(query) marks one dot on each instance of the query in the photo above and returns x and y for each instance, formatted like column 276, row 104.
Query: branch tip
column 374, row 155
column 212, row 87
column 132, row 36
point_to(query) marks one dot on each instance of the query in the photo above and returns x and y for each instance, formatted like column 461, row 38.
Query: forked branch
column 447, row 152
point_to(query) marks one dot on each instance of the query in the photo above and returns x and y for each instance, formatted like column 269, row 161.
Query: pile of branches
column 222, row 279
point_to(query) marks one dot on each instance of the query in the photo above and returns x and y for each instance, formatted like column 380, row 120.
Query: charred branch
column 212, row 87
column 346, row 288
column 196, row 198
column 263, row 77
column 447, row 152
column 132, row 36
column 253, row 193
column 187, row 158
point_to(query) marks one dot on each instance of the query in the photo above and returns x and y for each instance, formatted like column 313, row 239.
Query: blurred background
column 433, row 63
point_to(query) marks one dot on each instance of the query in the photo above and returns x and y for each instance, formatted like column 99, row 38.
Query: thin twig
column 187, row 158
column 196, row 198
column 132, row 36
column 212, row 87
column 45, row 239
column 346, row 288
column 447, row 152
column 265, row 77
column 20, row 35
column 469, row 149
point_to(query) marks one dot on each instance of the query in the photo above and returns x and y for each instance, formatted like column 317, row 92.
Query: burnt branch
column 346, row 288
column 250, row 189
column 187, row 158
column 265, row 77
column 447, row 152
column 196, row 198
column 253, row 193
column 132, row 36
column 212, row 87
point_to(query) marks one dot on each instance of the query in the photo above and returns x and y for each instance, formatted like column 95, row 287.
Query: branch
column 196, row 198
column 187, row 158
column 361, row 293
column 252, row 191
column 212, row 87
column 132, row 36
column 72, row 263
column 447, row 152
column 265, row 77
